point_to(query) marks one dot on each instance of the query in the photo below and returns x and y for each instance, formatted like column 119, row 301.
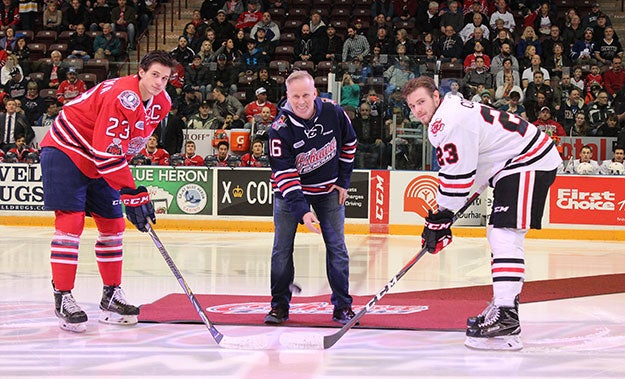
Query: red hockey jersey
column 159, row 157
column 103, row 125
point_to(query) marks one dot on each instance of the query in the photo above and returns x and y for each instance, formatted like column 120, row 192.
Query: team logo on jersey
column 420, row 195
column 313, row 159
column 436, row 126
column 115, row 147
column 279, row 123
column 140, row 125
column 129, row 100
column 136, row 144
column 313, row 132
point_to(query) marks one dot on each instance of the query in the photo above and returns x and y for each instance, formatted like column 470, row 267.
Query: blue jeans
column 331, row 217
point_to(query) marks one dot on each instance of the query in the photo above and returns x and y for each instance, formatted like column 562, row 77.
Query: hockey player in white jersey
column 475, row 145
column 614, row 166
column 585, row 165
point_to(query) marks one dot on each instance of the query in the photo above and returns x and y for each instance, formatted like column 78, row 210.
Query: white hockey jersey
column 476, row 144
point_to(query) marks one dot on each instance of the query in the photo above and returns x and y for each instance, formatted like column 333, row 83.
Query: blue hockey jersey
column 307, row 157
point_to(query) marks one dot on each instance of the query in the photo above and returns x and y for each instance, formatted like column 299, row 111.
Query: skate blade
column 116, row 319
column 79, row 327
column 507, row 343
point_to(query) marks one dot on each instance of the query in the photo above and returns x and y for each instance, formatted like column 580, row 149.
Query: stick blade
column 302, row 341
column 255, row 342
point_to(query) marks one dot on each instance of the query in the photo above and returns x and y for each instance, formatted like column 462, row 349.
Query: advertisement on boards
column 177, row 190
column 582, row 200
column 418, row 191
column 21, row 188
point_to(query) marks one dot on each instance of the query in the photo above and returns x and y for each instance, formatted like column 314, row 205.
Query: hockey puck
column 294, row 288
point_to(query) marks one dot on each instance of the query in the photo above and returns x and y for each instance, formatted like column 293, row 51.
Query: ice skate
column 496, row 328
column 115, row 307
column 71, row 317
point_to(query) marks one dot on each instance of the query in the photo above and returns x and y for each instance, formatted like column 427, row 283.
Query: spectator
column 428, row 21
column 334, row 51
column 200, row 26
column 80, row 44
column 170, row 131
column 15, row 87
column 107, row 45
column 381, row 40
column 13, row 124
column 469, row 29
column 254, row 108
column 450, row 46
column 580, row 128
column 497, row 63
column 21, row 51
column 250, row 17
column 528, row 38
column 583, row 51
column 573, row 33
column 7, row 69
column 253, row 58
column 554, row 38
column 514, row 106
column 614, row 77
column 570, row 107
column 473, row 7
column 232, row 9
column 355, row 47
column 397, row 75
column 182, row 53
column 7, row 42
column 561, row 92
column 370, row 148
column 225, row 105
column 529, row 72
column 502, row 93
column 507, row 68
column 502, row 13
column 53, row 17
column 196, row 76
column 382, row 7
column 223, row 29
column 537, row 85
column 203, row 119
column 404, row 10
column 74, row 15
column 608, row 48
column 590, row 19
column 225, row 75
column 578, row 78
column 272, row 30
column 350, row 92
column 52, row 110
column 9, row 15
column 71, row 87
column 157, row 157
column 124, row 19
column 478, row 36
column 190, row 158
column 452, row 17
column 544, row 20
column 606, row 167
column 593, row 77
column 379, row 22
column 502, row 37
column 260, row 129
column 264, row 45
column 548, row 125
column 599, row 28
column 99, row 15
column 55, row 71
column 193, row 39
column 469, row 61
column 209, row 8
column 188, row 104
column 611, row 126
column 585, row 165
column 32, row 103
column 231, row 52
column 599, row 110
column 477, row 76
column 257, row 157
column 206, row 53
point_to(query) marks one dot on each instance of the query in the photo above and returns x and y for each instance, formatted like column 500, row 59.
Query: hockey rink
column 574, row 338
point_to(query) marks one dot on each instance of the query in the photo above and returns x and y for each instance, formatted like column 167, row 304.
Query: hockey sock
column 108, row 249
column 64, row 248
column 508, row 264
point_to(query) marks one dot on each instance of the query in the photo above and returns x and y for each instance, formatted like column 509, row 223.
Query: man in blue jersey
column 312, row 146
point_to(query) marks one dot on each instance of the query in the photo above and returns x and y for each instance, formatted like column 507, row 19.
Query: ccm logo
column 135, row 201
column 379, row 198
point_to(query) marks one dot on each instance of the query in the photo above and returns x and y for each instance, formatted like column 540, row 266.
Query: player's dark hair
column 416, row 83
column 157, row 56
column 223, row 143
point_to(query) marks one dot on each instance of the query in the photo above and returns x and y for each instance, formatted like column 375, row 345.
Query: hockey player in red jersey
column 159, row 157
column 476, row 145
column 190, row 157
column 85, row 172
column 255, row 158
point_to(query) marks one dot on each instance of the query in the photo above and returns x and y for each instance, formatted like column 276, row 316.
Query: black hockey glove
column 139, row 208
column 436, row 231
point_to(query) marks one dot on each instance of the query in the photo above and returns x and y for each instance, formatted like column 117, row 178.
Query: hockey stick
column 320, row 342
column 259, row 342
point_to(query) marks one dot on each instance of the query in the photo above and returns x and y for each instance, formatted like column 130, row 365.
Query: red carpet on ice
column 444, row 309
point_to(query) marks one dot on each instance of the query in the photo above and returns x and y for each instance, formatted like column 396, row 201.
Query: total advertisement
column 578, row 200
column 248, row 192
column 21, row 188
column 179, row 190
column 418, row 191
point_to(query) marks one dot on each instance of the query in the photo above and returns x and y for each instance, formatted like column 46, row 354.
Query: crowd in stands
column 561, row 69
